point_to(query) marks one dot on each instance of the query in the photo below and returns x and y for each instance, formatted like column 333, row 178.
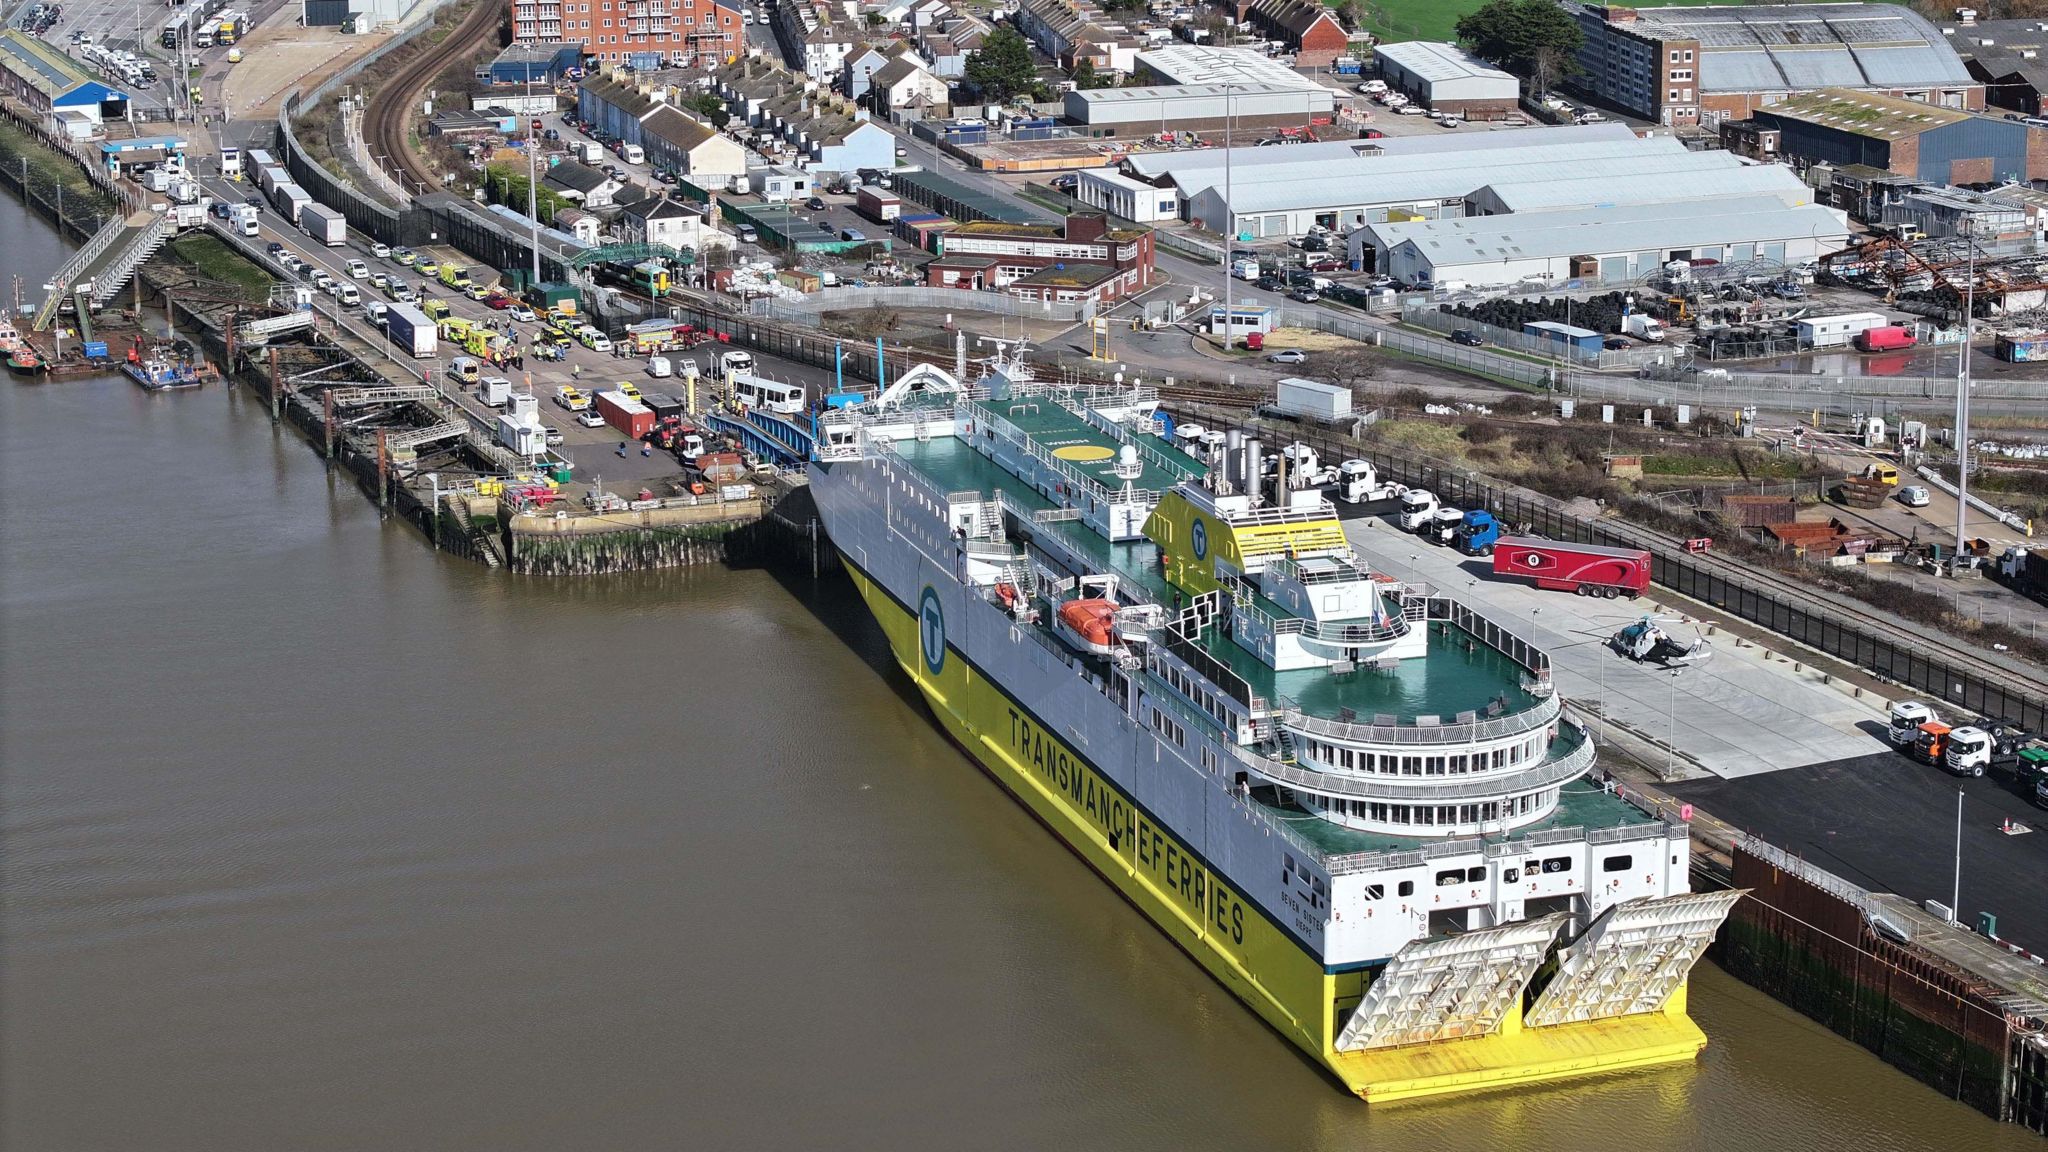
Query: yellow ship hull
column 1226, row 932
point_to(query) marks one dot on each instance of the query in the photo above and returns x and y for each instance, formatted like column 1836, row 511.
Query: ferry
column 1359, row 803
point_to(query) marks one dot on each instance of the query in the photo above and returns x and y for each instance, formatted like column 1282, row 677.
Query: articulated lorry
column 1583, row 569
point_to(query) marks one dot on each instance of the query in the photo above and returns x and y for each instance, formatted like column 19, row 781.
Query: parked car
column 274, row 248
column 1467, row 337
column 815, row 203
column 590, row 419
column 521, row 313
column 552, row 437
column 1288, row 356
column 1304, row 296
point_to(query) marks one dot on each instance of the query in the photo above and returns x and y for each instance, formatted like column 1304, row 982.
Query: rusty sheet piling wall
column 1804, row 942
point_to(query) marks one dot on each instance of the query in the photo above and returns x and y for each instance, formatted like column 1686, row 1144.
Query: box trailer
column 1586, row 569
column 410, row 329
column 629, row 417
column 269, row 178
column 878, row 205
column 324, row 224
column 291, row 201
column 1313, row 398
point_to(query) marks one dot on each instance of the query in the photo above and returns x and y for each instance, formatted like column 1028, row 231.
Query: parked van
column 659, row 367
column 633, row 154
column 376, row 312
column 348, row 295
column 467, row 369
column 593, row 339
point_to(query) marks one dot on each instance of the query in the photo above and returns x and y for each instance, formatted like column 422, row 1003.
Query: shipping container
column 1889, row 338
column 663, row 406
column 410, row 329
column 1587, row 569
column 291, row 200
column 1313, row 398
column 878, row 205
column 1583, row 339
column 324, row 224
column 2021, row 347
column 629, row 417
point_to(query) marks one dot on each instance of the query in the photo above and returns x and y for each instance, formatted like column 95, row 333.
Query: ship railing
column 1271, row 514
column 911, row 478
column 1411, row 790
column 1471, row 731
column 1534, row 660
column 1321, row 631
column 1348, row 571
column 1117, row 430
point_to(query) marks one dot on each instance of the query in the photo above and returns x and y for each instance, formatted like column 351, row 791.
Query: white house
column 685, row 144
column 906, row 84
column 658, row 220
column 1119, row 195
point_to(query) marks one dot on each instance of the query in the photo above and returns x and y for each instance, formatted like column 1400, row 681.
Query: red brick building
column 1084, row 256
column 682, row 33
column 1307, row 28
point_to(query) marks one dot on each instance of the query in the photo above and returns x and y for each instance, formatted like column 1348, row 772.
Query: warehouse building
column 1444, row 78
column 1611, row 245
column 1248, row 109
column 1701, row 66
column 1340, row 186
column 51, row 86
column 1842, row 126
column 534, row 62
column 1202, row 64
column 2006, row 56
column 989, row 254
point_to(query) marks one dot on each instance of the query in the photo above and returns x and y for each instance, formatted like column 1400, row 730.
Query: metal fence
column 807, row 309
column 1920, row 658
column 1434, row 318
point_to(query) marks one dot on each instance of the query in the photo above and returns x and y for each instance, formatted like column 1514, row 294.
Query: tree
column 1085, row 76
column 1001, row 67
column 1351, row 14
column 1523, row 35
column 710, row 107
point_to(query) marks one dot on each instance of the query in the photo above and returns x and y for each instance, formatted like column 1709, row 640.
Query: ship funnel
column 1254, row 466
column 1233, row 460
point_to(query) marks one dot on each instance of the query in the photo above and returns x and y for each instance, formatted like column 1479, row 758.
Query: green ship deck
column 1089, row 449
column 1456, row 676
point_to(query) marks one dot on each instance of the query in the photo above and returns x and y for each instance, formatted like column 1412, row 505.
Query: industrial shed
column 1197, row 108
column 538, row 62
column 1908, row 138
column 1125, row 198
column 1447, row 79
column 1609, row 245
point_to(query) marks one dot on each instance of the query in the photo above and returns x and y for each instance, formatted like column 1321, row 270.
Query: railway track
column 384, row 119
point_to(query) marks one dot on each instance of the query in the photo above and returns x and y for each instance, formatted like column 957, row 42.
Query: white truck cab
column 1418, row 506
column 1443, row 524
column 1906, row 718
column 1969, row 751
column 1359, row 482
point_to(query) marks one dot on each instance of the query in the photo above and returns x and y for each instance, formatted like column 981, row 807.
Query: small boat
column 10, row 337
column 161, row 373
column 23, row 359
column 1089, row 625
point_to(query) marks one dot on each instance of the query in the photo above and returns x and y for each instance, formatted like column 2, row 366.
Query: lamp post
column 1229, row 215
column 1671, row 734
column 1963, row 394
column 1955, row 892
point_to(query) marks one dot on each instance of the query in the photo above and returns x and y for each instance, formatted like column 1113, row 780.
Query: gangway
column 406, row 439
column 150, row 231
column 386, row 394
column 258, row 332
column 766, row 435
column 69, row 272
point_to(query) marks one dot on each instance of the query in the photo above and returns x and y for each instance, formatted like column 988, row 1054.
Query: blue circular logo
column 931, row 631
column 1199, row 537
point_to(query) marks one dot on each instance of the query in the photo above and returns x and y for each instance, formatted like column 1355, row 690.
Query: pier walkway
column 98, row 270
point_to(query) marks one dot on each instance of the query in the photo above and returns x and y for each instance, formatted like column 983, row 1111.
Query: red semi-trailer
column 1587, row 569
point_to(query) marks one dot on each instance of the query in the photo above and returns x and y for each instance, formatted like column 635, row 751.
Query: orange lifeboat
column 1007, row 593
column 1092, row 623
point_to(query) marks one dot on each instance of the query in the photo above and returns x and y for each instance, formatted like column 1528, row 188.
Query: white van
column 348, row 296
column 376, row 312
column 659, row 367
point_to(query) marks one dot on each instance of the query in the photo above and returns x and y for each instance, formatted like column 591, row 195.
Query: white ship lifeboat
column 1089, row 625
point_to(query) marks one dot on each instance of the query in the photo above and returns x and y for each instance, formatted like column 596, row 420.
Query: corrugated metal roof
column 1426, row 176
column 1201, row 64
column 1865, row 113
column 1438, row 62
column 1595, row 231
column 36, row 62
column 1798, row 46
column 1656, row 184
column 1189, row 165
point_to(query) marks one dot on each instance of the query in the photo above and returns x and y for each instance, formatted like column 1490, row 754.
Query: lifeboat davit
column 1090, row 624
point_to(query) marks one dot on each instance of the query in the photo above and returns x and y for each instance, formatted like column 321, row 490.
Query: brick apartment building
column 1698, row 67
column 1085, row 255
column 641, row 34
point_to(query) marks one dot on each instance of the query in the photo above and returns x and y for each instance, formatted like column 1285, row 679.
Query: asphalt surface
column 1888, row 823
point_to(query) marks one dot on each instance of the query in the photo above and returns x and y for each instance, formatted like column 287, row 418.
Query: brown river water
column 316, row 839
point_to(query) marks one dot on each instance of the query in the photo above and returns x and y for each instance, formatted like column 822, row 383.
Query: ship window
column 1436, row 766
column 1411, row 765
column 1375, row 891
column 1407, row 888
column 1424, row 814
column 1532, row 866
column 1475, row 875
column 1286, row 865
column 1316, row 885
column 1616, row 863
column 1450, row 878
column 1467, row 813
column 1347, row 759
column 1500, row 757
column 1557, row 864
column 1510, row 875
column 1458, row 764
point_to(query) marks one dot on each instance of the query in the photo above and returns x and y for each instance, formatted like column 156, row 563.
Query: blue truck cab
column 1478, row 532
